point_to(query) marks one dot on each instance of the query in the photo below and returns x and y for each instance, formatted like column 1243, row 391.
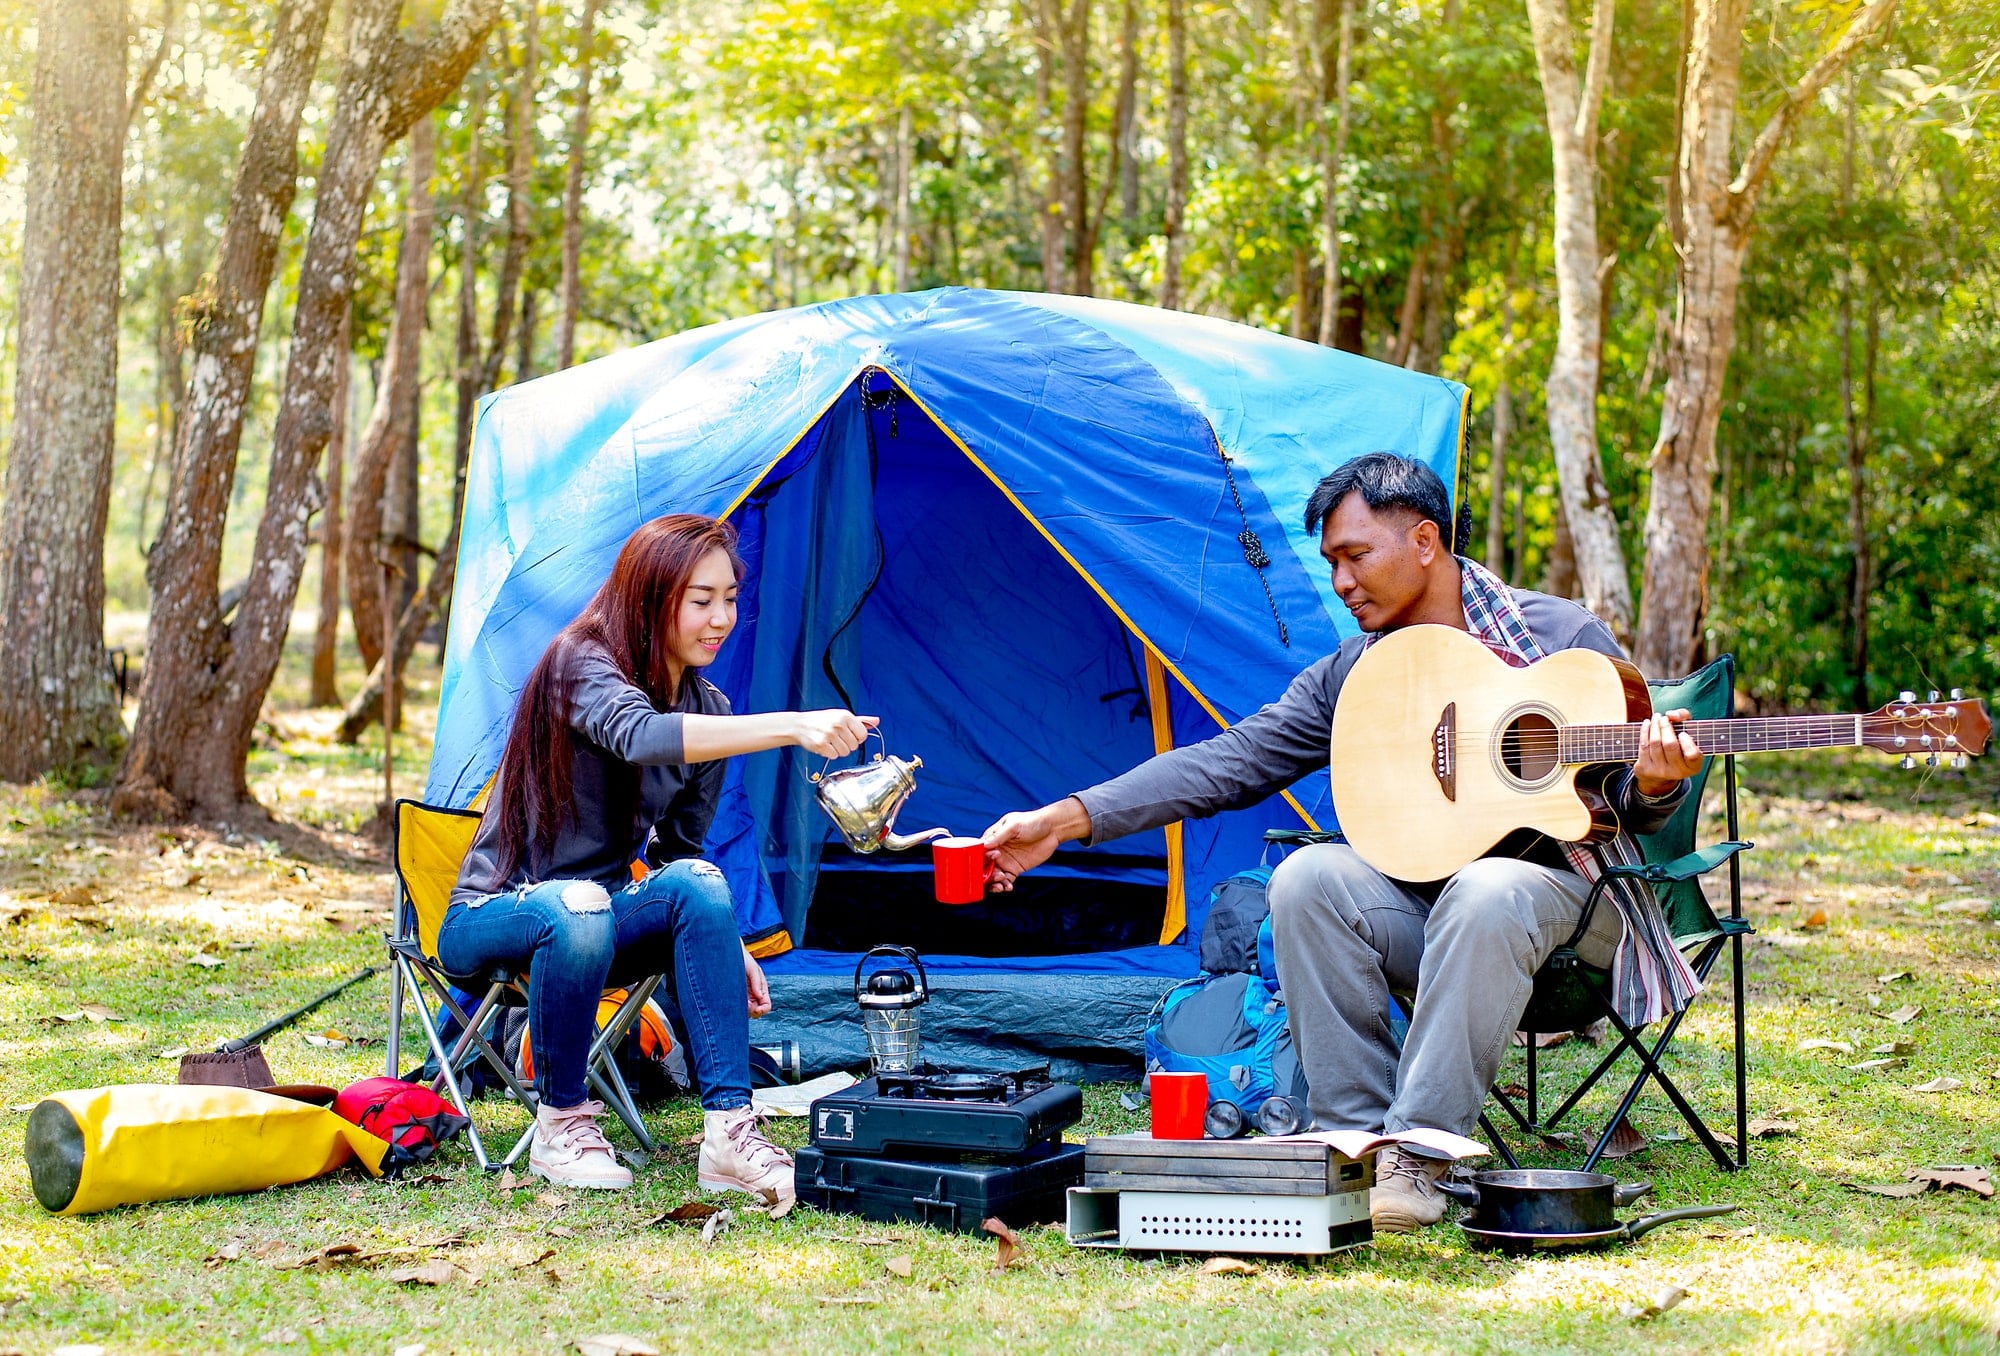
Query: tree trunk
column 366, row 706
column 1410, row 312
column 326, row 633
column 1076, row 115
column 1170, row 283
column 189, row 750
column 1574, row 371
column 1048, row 23
column 56, row 698
column 468, row 366
column 1857, row 429
column 572, row 228
column 524, row 337
column 1503, row 429
column 520, row 167
column 375, row 525
column 1126, row 121
column 1337, row 84
column 1711, row 226
column 1559, row 576
column 906, row 136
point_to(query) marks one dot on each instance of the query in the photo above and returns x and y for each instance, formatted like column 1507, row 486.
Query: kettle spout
column 903, row 842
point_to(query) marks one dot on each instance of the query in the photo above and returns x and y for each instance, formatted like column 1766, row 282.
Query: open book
column 1359, row 1143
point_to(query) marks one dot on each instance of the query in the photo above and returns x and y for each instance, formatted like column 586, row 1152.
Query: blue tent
column 1042, row 537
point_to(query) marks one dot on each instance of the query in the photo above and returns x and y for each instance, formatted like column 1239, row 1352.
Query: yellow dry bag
column 106, row 1147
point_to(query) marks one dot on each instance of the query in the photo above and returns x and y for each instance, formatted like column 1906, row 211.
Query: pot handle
column 1462, row 1192
column 874, row 732
column 1648, row 1222
column 1625, row 1195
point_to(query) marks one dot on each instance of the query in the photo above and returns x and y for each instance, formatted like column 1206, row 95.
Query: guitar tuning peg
column 1961, row 761
column 1906, row 696
column 1934, row 695
column 1958, row 694
column 1931, row 760
column 1907, row 762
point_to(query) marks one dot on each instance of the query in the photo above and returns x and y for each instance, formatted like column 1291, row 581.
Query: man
column 1347, row 936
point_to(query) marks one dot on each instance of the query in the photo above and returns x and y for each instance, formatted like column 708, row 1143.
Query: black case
column 959, row 1196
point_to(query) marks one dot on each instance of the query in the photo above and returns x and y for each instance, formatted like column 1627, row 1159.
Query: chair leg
column 450, row 1080
column 1742, row 1088
column 474, row 1034
column 1534, row 1085
column 394, row 1057
column 1499, row 1144
column 1589, row 1082
column 1650, row 1059
column 1499, row 1095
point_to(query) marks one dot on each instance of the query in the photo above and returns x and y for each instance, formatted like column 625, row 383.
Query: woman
column 616, row 756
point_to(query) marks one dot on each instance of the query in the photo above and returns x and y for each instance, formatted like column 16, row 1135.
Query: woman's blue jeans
column 575, row 940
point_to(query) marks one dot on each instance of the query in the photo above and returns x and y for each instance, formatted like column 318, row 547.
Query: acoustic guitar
column 1441, row 748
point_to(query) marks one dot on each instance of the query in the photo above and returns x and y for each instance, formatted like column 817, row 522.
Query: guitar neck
column 1620, row 743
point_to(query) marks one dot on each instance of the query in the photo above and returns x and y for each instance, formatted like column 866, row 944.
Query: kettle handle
column 908, row 953
column 874, row 732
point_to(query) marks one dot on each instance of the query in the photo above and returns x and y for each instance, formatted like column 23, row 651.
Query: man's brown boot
column 1405, row 1197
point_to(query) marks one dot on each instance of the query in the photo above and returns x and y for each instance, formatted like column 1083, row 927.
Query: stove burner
column 965, row 1087
column 937, row 1085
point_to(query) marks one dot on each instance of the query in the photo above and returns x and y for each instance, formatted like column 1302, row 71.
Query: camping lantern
column 889, row 1002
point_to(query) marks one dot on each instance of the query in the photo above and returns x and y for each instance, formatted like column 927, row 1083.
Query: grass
column 1852, row 865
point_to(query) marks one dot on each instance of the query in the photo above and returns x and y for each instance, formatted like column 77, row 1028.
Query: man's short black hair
column 1388, row 481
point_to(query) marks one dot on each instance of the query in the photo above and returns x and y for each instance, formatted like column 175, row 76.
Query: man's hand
column 1021, row 841
column 760, row 988
column 1667, row 756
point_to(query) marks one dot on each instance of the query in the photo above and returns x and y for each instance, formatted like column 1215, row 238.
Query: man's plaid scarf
column 1649, row 976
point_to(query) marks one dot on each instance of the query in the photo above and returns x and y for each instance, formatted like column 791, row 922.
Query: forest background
column 552, row 181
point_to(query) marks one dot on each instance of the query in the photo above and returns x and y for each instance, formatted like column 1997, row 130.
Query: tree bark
column 189, row 750
column 1711, row 232
column 365, row 708
column 1126, row 120
column 1559, row 575
column 520, row 222
column 56, row 698
column 572, row 228
column 1339, row 80
column 1048, row 22
column 1574, row 371
column 1170, row 283
column 373, row 526
column 1076, row 115
column 906, row 137
column 326, row 633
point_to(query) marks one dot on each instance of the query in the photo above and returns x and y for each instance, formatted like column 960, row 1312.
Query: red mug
column 1180, row 1102
column 960, row 870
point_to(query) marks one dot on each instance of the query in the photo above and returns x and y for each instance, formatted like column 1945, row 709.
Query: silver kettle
column 863, row 801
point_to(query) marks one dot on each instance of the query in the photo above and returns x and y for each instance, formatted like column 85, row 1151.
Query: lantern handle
column 907, row 953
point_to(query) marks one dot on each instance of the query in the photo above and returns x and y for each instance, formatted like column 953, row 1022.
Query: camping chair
column 1570, row 995
column 430, row 845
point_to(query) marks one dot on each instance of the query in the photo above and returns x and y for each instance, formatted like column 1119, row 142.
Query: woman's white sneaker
column 571, row 1151
column 735, row 1156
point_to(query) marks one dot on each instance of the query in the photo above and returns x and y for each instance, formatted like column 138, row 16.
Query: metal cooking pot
column 1530, row 1210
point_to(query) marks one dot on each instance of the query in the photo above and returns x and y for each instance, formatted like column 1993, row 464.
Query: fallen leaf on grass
column 83, row 896
column 1814, row 921
column 712, row 1230
column 428, row 1179
column 439, row 1272
column 1662, row 1302
column 1126, row 1306
column 1768, row 1127
column 900, row 1266
column 509, row 1182
column 269, row 1248
column 1840, row 1047
column 1230, row 1266
column 204, row 959
column 333, row 1254
column 95, row 1013
column 1625, row 1141
column 847, row 1299
column 329, row 1040
column 635, row 1158
column 1010, row 1243
column 91, row 920
column 1899, row 1190
column 1894, row 1048
column 1518, row 1091
column 1877, row 1065
column 172, row 1052
column 1904, row 1015
column 1962, row 1176
column 693, row 1212
column 1893, row 977
column 547, row 1253
column 615, row 1344
column 227, row 1253
column 548, row 1200
column 561, row 1231
column 867, row 1241
column 1939, row 1085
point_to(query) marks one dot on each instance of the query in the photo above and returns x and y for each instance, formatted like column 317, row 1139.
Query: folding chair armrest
column 1302, row 837
column 1697, row 863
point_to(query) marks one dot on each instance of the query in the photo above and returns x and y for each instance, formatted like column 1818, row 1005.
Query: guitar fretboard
column 1620, row 743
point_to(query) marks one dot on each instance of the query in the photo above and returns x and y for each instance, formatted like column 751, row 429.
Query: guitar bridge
column 1444, row 751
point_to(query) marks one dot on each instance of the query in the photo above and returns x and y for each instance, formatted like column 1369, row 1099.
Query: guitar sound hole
column 1529, row 747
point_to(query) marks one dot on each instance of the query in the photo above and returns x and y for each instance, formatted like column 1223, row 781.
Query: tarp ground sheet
column 983, row 517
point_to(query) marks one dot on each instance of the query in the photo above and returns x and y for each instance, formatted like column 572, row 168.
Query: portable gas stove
column 943, row 1147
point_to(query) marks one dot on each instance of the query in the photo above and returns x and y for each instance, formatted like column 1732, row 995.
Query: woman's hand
column 832, row 734
column 760, row 988
column 1667, row 756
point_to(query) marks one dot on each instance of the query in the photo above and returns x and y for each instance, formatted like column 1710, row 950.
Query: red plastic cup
column 1180, row 1101
column 960, row 871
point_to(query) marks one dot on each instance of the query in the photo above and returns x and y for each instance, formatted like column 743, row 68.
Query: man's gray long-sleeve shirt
column 630, row 775
column 1270, row 749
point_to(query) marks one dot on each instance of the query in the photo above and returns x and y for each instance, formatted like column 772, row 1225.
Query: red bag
column 410, row 1116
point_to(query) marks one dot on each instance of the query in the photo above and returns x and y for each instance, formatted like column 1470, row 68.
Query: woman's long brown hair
column 633, row 617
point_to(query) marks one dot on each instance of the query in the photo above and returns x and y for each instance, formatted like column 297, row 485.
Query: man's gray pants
column 1347, row 937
